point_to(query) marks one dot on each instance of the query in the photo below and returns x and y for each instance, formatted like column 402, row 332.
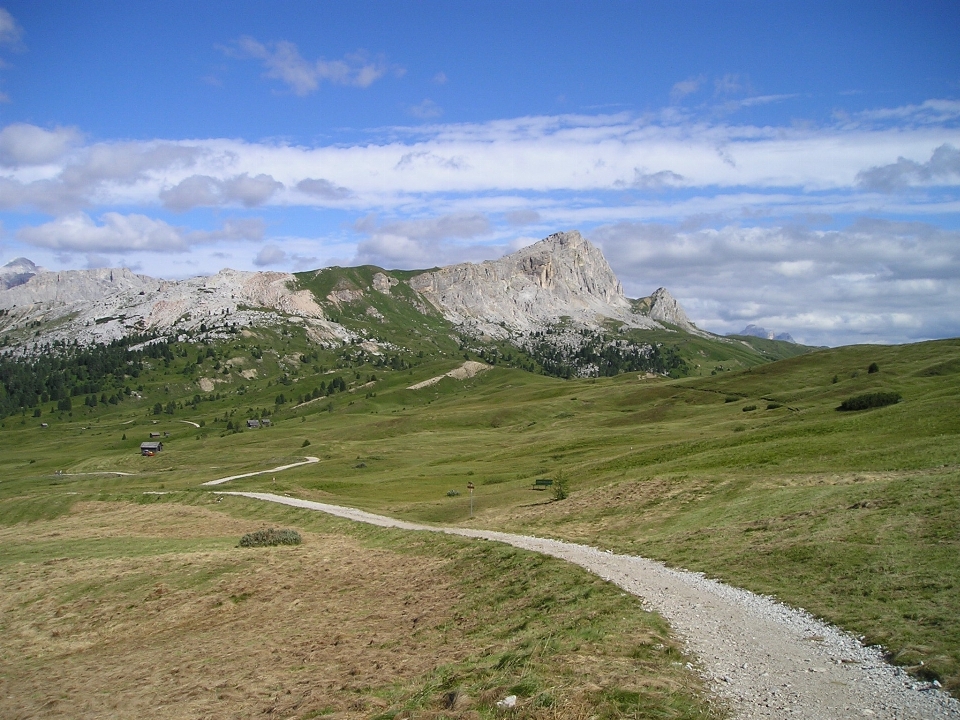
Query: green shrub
column 749, row 408
column 873, row 368
column 265, row 538
column 870, row 400
column 730, row 398
column 773, row 406
column 560, row 487
column 452, row 493
column 305, row 443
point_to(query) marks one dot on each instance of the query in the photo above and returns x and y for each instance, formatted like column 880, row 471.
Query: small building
column 265, row 422
column 154, row 435
column 150, row 448
column 253, row 423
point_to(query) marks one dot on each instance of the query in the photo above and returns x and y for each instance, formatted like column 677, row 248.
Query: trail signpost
column 470, row 488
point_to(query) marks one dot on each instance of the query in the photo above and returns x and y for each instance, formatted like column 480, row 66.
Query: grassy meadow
column 151, row 610
column 744, row 470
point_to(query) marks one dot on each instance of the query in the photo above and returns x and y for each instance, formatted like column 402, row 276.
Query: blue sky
column 795, row 166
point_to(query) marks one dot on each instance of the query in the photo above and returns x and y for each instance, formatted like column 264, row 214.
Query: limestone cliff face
column 665, row 308
column 563, row 275
column 52, row 289
column 106, row 304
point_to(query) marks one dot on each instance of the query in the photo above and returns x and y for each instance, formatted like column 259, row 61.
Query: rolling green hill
column 742, row 467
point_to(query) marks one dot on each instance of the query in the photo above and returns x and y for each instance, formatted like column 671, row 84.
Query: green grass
column 39, row 550
column 36, row 507
column 564, row 641
column 850, row 515
column 528, row 615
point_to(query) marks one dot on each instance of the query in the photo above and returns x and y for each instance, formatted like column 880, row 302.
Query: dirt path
column 102, row 472
column 307, row 461
column 765, row 659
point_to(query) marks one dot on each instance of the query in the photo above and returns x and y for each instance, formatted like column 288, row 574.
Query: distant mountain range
column 757, row 331
column 563, row 279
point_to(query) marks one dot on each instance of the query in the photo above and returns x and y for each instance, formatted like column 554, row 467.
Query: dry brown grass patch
column 223, row 633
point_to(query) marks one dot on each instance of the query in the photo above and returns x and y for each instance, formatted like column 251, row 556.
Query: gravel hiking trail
column 766, row 660
column 306, row 461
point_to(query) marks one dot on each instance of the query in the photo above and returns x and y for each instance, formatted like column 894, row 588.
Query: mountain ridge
column 561, row 279
column 761, row 332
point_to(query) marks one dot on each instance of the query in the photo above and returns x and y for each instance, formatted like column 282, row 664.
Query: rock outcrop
column 562, row 276
column 665, row 308
column 106, row 304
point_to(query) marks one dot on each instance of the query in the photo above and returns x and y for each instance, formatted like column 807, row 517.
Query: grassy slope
column 357, row 622
column 851, row 515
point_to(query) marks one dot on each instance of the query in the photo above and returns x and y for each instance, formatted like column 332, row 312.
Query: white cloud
column 763, row 168
column 426, row 110
column 930, row 112
column 440, row 78
column 461, row 226
column 10, row 31
column 421, row 243
column 103, row 172
column 117, row 232
column 685, row 87
column 655, row 181
column 943, row 166
column 766, row 99
column 395, row 251
column 522, row 217
column 270, row 255
column 283, row 62
column 424, row 158
column 191, row 192
column 794, row 268
column 730, row 84
column 250, row 191
column 874, row 281
column 23, row 144
column 324, row 189
column 203, row 190
column 124, row 233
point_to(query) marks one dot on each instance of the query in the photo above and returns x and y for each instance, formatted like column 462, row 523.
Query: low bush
column 560, row 487
column 452, row 493
column 874, row 368
column 870, row 400
column 271, row 536
column 773, row 406
column 749, row 408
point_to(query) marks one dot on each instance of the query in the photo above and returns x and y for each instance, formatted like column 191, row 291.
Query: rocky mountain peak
column 761, row 332
column 665, row 308
column 17, row 272
column 562, row 276
column 20, row 264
